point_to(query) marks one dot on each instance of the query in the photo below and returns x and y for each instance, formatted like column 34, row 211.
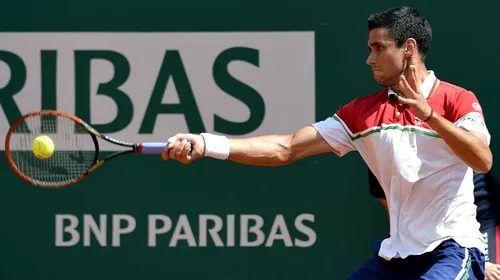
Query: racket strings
column 73, row 154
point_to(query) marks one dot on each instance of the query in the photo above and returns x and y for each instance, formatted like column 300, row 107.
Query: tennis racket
column 76, row 152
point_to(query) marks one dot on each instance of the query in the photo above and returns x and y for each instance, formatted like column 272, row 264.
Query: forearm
column 263, row 150
column 470, row 148
column 268, row 149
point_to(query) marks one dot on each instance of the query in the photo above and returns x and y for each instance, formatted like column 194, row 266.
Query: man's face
column 386, row 59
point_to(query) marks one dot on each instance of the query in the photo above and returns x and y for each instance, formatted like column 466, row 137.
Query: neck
column 421, row 72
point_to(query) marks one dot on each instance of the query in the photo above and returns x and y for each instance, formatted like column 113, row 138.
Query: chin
column 383, row 83
column 386, row 82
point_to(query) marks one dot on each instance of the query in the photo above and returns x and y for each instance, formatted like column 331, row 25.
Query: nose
column 370, row 60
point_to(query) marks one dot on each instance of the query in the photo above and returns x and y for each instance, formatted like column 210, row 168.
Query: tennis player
column 421, row 137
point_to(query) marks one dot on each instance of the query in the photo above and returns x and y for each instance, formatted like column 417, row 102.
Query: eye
column 375, row 48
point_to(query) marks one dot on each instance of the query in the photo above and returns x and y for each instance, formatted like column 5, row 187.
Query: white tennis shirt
column 428, row 188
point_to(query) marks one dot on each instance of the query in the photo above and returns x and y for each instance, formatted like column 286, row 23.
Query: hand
column 412, row 95
column 492, row 271
column 180, row 146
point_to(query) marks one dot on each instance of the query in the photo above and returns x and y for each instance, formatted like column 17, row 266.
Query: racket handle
column 151, row 147
column 154, row 148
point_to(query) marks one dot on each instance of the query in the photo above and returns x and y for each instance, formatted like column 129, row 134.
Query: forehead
column 380, row 36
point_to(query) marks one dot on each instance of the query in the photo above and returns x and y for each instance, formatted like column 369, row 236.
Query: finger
column 193, row 138
column 164, row 154
column 412, row 77
column 179, row 148
column 179, row 137
column 170, row 142
column 186, row 149
column 173, row 151
column 405, row 87
column 166, row 149
column 197, row 143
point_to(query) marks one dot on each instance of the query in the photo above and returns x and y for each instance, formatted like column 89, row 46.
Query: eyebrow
column 375, row 44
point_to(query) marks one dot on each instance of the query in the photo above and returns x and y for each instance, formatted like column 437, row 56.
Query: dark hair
column 403, row 23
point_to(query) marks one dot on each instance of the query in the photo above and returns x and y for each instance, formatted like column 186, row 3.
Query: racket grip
column 151, row 147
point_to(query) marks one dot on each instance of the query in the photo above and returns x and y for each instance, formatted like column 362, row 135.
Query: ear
column 410, row 48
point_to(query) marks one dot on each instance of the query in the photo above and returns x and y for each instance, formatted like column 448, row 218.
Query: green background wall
column 335, row 190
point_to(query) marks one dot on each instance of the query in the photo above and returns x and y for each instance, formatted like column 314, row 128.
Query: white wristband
column 216, row 146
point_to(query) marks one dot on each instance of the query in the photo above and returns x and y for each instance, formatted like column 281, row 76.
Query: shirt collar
column 425, row 87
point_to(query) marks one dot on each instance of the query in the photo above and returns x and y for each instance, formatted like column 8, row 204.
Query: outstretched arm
column 278, row 149
column 261, row 150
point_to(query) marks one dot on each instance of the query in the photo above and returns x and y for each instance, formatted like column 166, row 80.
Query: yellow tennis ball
column 43, row 147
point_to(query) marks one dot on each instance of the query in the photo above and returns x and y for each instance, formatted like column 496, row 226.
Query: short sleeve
column 468, row 114
column 335, row 131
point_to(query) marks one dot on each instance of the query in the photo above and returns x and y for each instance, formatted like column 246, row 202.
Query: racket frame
column 134, row 148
